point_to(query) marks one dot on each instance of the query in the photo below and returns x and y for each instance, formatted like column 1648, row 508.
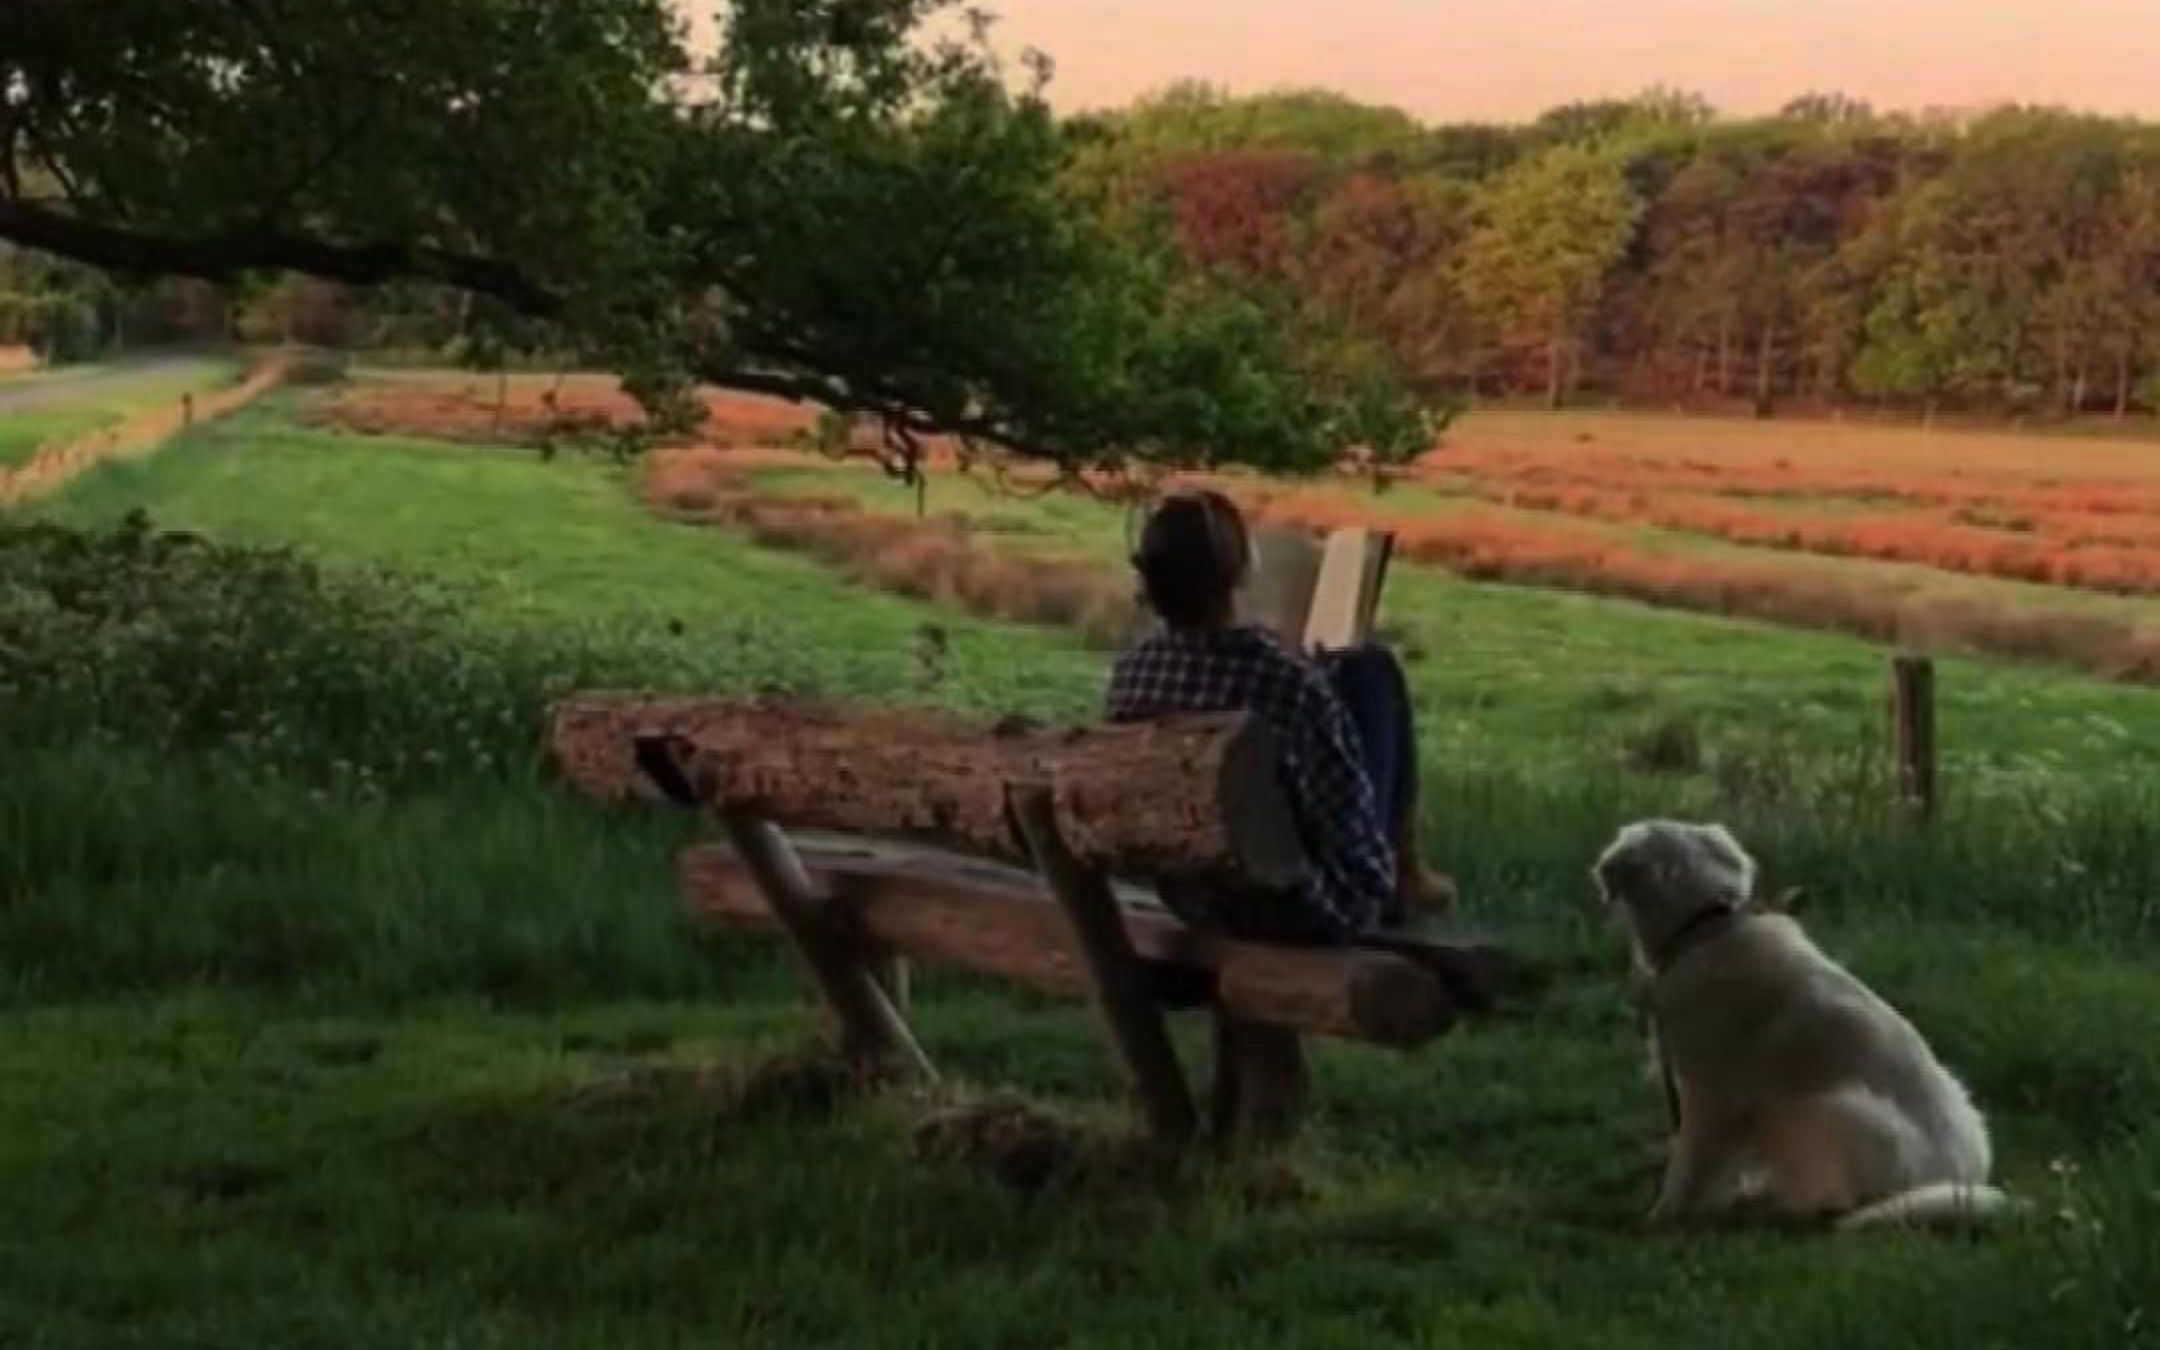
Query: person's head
column 1194, row 554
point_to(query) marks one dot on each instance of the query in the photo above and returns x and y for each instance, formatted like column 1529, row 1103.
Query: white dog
column 1796, row 1085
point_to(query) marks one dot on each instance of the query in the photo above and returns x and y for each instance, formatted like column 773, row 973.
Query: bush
column 67, row 330
column 164, row 642
column 318, row 370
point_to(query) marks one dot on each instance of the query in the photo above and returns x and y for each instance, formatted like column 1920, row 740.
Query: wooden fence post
column 1912, row 729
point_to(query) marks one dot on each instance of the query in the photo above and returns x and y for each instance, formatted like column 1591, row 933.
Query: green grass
column 225, row 1171
column 291, row 1064
column 104, row 399
column 564, row 549
column 23, row 433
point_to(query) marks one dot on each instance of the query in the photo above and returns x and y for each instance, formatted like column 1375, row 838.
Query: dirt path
column 55, row 465
column 110, row 383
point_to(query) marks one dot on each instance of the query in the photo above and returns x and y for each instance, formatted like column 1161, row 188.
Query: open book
column 1318, row 596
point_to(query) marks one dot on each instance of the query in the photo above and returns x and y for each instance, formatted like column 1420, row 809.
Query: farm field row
column 2059, row 510
column 1796, row 524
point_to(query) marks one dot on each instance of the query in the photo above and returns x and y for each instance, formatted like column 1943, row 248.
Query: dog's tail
column 1944, row 1203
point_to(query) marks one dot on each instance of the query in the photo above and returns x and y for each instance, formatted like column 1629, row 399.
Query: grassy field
column 42, row 410
column 348, row 1031
column 1962, row 540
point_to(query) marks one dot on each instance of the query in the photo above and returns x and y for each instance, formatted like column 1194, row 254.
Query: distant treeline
column 1646, row 250
column 1649, row 250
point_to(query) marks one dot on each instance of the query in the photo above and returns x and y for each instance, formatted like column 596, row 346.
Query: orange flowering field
column 2053, row 510
column 1996, row 543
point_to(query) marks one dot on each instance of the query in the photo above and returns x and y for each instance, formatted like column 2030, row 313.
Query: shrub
column 164, row 642
column 318, row 370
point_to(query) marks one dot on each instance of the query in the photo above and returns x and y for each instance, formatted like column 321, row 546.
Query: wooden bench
column 919, row 837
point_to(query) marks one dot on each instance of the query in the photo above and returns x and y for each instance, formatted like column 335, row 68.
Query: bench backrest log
column 1186, row 795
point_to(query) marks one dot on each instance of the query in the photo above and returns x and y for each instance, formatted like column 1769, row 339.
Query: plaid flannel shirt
column 1331, row 797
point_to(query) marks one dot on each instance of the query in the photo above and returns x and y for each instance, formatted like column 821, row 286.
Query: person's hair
column 1194, row 554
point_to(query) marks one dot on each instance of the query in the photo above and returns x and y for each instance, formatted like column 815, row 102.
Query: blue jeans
column 1369, row 681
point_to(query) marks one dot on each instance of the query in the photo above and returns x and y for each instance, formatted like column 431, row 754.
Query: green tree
column 837, row 210
column 1534, row 268
column 1992, row 291
column 2128, row 279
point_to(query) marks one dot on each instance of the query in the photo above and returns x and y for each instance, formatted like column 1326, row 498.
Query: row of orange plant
column 936, row 559
column 1487, row 544
column 2053, row 550
column 1987, row 488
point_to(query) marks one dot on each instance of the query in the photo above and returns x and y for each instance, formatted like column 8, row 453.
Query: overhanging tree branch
column 220, row 257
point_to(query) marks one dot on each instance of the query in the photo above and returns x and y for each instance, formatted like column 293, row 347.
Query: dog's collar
column 1701, row 926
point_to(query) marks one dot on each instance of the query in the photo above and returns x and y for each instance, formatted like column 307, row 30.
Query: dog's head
column 1661, row 874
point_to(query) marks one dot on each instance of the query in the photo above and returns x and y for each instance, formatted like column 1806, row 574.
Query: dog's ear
column 1715, row 844
column 1617, row 873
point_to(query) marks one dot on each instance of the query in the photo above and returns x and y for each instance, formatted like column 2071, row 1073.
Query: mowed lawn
column 45, row 409
column 449, row 1068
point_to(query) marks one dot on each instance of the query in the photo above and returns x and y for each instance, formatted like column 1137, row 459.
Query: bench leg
column 893, row 975
column 1129, row 1010
column 872, row 1029
column 1260, row 1083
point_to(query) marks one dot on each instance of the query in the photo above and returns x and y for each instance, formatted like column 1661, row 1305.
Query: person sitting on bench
column 1343, row 720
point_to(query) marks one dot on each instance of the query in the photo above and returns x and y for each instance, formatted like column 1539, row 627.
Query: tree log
column 1189, row 795
column 998, row 923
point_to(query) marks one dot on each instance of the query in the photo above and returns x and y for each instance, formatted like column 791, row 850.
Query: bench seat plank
column 958, row 912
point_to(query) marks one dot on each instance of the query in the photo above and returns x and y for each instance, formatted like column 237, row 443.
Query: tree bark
column 1552, row 374
column 1765, row 351
column 2122, row 385
column 1192, row 796
column 942, row 911
column 221, row 257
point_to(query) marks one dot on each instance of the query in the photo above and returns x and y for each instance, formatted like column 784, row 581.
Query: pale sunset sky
column 1510, row 59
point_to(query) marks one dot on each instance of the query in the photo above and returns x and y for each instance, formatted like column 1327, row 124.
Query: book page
column 1352, row 568
column 1378, row 553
